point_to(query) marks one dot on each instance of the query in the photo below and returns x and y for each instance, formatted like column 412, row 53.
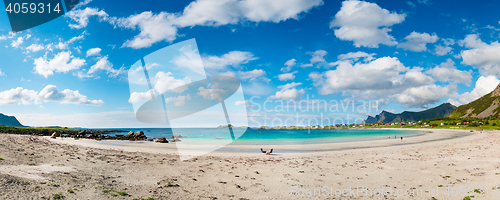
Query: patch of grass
column 73, row 179
column 115, row 195
column 31, row 164
column 106, row 191
column 55, row 185
column 440, row 185
column 71, row 191
column 122, row 193
column 1, row 159
column 479, row 191
column 497, row 173
column 58, row 196
column 25, row 183
column 36, row 187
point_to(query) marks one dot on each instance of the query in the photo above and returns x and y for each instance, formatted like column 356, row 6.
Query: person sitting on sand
column 269, row 152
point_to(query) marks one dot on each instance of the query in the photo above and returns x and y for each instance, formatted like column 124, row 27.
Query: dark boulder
column 162, row 140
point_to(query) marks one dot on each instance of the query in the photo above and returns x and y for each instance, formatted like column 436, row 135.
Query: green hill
column 484, row 107
column 9, row 121
column 442, row 110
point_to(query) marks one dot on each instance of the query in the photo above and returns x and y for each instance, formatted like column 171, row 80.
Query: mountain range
column 484, row 107
column 442, row 110
column 9, row 121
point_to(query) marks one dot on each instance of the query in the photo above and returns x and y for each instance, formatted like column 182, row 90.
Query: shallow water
column 275, row 136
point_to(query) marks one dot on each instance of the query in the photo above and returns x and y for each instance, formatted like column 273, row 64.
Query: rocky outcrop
column 130, row 134
column 162, row 140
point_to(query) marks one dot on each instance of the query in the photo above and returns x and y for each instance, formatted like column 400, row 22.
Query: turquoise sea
column 254, row 136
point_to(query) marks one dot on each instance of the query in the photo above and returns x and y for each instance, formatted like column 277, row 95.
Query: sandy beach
column 444, row 164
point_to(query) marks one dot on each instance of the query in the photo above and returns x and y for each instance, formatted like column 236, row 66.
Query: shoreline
column 426, row 136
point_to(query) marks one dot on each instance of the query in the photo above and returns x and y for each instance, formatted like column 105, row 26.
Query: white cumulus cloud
column 67, row 96
column 179, row 100
column 365, row 23
column 105, row 65
column 481, row 55
column 141, row 96
column 448, row 72
column 164, row 26
column 17, row 96
column 17, row 43
column 93, row 52
column 62, row 62
column 252, row 75
column 166, row 81
column 287, row 76
column 442, row 50
column 81, row 17
column 288, row 92
column 49, row 94
column 34, row 48
column 317, row 57
column 418, row 41
column 380, row 78
column 422, row 96
column 232, row 58
column 288, row 65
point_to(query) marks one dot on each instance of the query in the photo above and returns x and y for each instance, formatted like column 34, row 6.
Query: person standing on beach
column 401, row 138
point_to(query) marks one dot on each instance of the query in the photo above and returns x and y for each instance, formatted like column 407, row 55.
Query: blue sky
column 385, row 55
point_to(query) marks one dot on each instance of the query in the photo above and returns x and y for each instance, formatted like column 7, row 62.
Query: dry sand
column 436, row 164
